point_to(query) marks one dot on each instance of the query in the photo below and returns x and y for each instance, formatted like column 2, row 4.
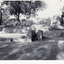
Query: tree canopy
column 24, row 7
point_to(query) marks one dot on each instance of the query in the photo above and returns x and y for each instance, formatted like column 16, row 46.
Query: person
column 40, row 35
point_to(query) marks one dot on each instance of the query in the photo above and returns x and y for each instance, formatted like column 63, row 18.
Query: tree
column 25, row 7
column 62, row 16
column 0, row 15
column 0, row 18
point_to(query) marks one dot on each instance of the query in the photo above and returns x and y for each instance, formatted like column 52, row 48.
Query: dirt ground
column 47, row 49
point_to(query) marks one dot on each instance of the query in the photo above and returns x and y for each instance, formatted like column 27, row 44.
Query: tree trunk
column 0, row 18
column 18, row 17
column 32, row 35
column 61, row 20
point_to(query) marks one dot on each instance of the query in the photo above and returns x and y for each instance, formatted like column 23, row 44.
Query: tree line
column 23, row 7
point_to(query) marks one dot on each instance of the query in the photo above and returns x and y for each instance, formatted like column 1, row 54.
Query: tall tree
column 24, row 7
column 62, row 16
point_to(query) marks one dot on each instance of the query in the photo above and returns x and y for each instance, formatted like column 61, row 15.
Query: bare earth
column 39, row 50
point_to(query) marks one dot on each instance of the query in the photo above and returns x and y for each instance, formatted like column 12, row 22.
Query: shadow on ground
column 42, row 50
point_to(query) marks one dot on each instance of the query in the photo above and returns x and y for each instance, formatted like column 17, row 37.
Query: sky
column 53, row 8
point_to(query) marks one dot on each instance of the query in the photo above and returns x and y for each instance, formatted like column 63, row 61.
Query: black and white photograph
column 32, row 30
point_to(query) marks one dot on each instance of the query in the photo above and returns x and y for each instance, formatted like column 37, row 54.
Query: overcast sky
column 53, row 8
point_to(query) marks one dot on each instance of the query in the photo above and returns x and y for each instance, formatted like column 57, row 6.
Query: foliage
column 24, row 7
